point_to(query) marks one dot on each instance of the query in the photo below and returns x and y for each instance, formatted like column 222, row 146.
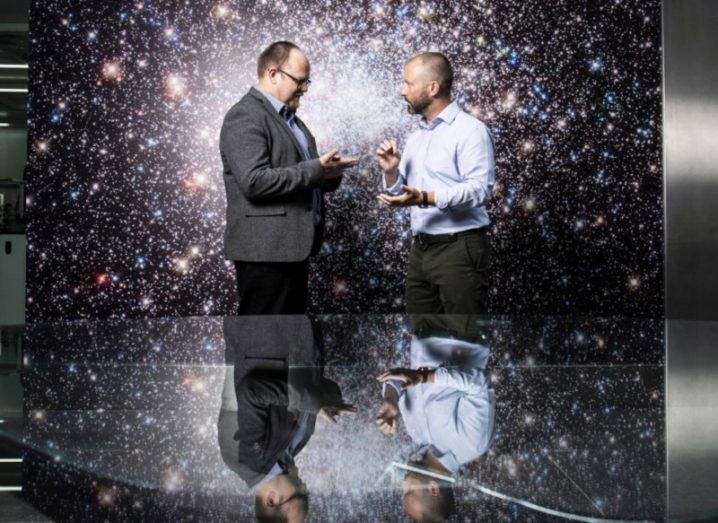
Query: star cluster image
column 126, row 204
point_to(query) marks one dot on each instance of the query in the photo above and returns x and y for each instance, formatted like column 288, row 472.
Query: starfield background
column 125, row 194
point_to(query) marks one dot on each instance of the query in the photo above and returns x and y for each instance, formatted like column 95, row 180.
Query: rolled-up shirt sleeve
column 470, row 381
column 395, row 189
column 475, row 162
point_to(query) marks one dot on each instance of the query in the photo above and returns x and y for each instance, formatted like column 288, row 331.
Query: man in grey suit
column 275, row 181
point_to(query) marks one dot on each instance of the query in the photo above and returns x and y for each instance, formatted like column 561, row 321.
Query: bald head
column 435, row 67
column 276, row 54
column 427, row 499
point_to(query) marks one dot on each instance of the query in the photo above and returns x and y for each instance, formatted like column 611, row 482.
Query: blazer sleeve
column 332, row 185
column 245, row 141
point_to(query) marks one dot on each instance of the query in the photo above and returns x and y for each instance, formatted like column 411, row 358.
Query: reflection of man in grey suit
column 272, row 396
column 275, row 180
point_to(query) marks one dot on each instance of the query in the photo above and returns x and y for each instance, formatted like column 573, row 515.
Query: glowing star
column 111, row 71
column 340, row 287
column 42, row 146
column 102, row 279
column 529, row 204
column 193, row 384
column 509, row 101
column 199, row 179
column 182, row 265
column 634, row 282
column 476, row 111
column 176, row 87
column 172, row 479
column 425, row 13
column 220, row 12
column 107, row 496
column 528, row 146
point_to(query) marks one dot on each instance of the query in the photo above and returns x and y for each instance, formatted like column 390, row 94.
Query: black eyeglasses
column 300, row 83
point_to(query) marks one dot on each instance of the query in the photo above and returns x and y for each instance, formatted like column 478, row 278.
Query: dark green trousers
column 449, row 277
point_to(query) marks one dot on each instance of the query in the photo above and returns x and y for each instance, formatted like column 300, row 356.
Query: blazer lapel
column 282, row 124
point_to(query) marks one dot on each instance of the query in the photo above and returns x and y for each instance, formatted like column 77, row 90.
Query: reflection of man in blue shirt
column 448, row 407
column 446, row 175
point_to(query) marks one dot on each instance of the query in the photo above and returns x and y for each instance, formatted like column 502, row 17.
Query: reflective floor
column 363, row 418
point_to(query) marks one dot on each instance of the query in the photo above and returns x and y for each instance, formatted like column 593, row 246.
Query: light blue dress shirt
column 290, row 118
column 453, row 157
column 454, row 416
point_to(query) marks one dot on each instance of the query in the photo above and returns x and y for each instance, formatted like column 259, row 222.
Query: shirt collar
column 447, row 115
column 447, row 458
column 275, row 471
column 278, row 106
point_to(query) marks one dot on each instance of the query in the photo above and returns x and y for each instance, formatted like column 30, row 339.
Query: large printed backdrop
column 126, row 201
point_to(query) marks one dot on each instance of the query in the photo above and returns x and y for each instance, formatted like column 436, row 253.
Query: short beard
column 293, row 104
column 419, row 106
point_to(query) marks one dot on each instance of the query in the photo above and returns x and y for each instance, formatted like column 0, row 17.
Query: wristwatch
column 424, row 371
column 424, row 200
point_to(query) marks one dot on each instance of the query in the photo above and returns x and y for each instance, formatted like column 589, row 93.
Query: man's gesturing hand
column 333, row 410
column 333, row 165
column 388, row 156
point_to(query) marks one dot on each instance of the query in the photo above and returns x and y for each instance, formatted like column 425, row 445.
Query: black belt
column 424, row 239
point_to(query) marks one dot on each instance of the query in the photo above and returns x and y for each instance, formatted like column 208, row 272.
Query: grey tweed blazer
column 269, row 185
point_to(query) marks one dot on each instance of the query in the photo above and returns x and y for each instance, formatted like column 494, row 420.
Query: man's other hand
column 409, row 197
column 388, row 156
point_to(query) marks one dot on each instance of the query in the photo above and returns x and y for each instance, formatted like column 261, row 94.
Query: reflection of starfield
column 126, row 180
column 578, row 402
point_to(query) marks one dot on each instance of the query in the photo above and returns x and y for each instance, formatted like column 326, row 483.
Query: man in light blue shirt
column 447, row 404
column 446, row 175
